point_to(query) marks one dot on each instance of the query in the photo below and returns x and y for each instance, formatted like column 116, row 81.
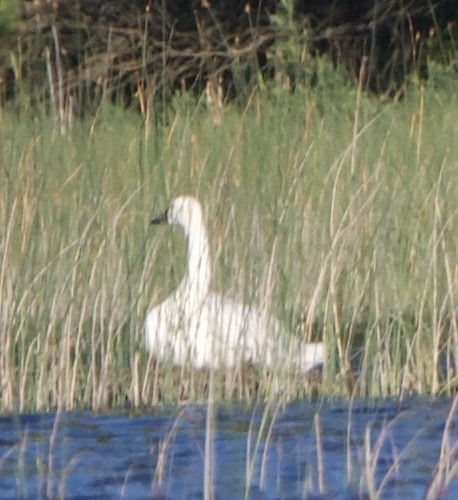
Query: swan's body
column 205, row 329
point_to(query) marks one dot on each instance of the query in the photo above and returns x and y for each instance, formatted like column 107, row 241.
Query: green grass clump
column 348, row 231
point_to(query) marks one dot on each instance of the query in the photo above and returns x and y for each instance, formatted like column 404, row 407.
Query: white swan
column 205, row 329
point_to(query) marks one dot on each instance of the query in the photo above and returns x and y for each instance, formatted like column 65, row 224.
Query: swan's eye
column 162, row 219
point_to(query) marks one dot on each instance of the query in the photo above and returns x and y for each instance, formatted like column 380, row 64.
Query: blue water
column 387, row 446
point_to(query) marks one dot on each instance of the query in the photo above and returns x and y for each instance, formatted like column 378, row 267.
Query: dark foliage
column 138, row 51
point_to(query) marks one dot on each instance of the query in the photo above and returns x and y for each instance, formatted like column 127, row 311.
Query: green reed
column 347, row 233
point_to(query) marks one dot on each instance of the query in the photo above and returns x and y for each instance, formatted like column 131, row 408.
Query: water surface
column 303, row 450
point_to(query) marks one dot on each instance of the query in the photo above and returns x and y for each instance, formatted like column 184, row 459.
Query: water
column 269, row 452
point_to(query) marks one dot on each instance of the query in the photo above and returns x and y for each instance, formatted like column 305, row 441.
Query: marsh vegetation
column 338, row 211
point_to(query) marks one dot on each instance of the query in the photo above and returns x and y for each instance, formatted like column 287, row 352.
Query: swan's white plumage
column 205, row 329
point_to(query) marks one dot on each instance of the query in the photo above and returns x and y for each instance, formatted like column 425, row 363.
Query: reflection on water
column 312, row 450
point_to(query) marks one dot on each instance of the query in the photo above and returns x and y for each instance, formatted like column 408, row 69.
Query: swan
column 209, row 330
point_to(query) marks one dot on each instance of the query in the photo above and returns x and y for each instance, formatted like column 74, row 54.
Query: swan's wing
column 243, row 333
column 251, row 334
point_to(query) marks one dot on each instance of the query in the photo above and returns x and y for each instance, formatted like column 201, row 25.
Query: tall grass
column 347, row 233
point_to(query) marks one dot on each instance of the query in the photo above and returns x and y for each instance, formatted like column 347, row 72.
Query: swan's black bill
column 162, row 219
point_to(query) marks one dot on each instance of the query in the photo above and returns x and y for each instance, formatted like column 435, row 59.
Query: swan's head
column 184, row 211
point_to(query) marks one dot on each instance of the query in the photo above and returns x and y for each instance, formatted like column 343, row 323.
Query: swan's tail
column 311, row 355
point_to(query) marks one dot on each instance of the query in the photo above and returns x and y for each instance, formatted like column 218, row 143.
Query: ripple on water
column 163, row 452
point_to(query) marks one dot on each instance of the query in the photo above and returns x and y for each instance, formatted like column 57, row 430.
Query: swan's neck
column 196, row 283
